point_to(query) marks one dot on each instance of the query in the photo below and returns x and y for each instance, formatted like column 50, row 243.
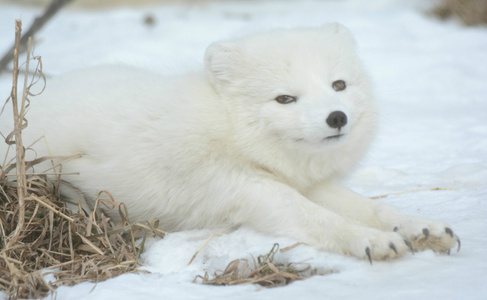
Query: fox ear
column 340, row 31
column 223, row 61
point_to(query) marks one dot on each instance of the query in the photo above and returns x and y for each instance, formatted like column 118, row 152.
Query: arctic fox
column 261, row 138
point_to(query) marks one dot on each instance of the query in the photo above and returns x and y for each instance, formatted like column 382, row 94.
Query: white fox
column 261, row 138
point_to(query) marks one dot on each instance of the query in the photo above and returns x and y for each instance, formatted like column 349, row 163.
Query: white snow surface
column 431, row 81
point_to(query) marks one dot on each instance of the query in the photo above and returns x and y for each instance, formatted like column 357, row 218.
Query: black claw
column 454, row 236
column 396, row 229
column 367, row 251
column 393, row 247
column 426, row 233
column 410, row 246
column 448, row 252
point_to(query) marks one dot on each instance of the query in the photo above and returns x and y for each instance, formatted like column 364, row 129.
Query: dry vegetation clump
column 470, row 12
column 56, row 240
column 265, row 272
column 40, row 235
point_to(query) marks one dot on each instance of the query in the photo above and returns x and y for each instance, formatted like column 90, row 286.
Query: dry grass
column 54, row 239
column 39, row 235
column 265, row 271
column 470, row 12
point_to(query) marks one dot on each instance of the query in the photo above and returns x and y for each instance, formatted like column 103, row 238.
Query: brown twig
column 39, row 22
column 292, row 247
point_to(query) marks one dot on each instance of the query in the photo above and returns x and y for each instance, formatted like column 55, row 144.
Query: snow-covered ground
column 431, row 80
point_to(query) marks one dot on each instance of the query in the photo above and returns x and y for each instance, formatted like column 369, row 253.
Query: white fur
column 215, row 149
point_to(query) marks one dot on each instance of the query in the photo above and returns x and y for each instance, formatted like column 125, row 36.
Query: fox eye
column 339, row 85
column 285, row 99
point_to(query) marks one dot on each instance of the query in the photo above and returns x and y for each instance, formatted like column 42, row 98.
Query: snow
column 430, row 78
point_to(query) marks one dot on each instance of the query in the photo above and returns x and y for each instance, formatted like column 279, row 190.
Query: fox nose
column 337, row 119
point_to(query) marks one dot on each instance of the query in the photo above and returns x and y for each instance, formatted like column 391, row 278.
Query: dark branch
column 39, row 22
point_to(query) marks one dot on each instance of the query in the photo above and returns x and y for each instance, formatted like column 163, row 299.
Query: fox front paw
column 424, row 234
column 372, row 244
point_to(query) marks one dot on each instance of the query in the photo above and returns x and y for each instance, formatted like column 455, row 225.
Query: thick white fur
column 215, row 149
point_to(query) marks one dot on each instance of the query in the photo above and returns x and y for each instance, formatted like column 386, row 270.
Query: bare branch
column 39, row 22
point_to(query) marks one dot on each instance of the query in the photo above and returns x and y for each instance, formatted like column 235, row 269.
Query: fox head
column 305, row 90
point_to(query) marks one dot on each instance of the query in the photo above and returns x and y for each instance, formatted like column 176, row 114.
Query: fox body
column 260, row 138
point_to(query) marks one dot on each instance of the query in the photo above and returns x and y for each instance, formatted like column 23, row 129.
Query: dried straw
column 202, row 246
column 39, row 235
column 265, row 272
